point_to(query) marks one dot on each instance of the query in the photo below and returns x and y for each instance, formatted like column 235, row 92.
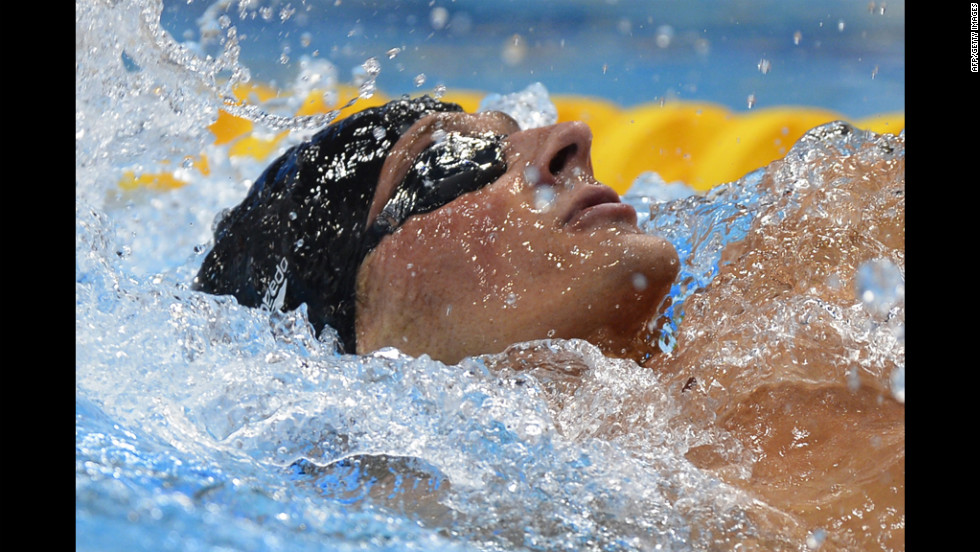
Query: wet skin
column 543, row 251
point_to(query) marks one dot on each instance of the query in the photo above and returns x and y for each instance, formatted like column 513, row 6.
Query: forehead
column 420, row 136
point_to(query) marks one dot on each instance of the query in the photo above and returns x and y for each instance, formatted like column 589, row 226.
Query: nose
column 553, row 155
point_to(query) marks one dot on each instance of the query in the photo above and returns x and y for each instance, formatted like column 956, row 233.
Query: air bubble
column 764, row 65
column 419, row 79
column 292, row 215
column 797, row 37
column 511, row 299
column 840, row 25
column 393, row 52
column 440, row 91
column 750, row 101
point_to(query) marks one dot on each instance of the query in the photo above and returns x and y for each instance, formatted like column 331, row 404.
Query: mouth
column 599, row 204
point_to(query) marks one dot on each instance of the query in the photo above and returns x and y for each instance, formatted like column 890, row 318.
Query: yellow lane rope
column 698, row 143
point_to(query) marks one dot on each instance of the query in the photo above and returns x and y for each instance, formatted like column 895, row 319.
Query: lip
column 596, row 204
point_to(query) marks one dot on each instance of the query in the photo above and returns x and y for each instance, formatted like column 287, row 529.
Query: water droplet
column 815, row 539
column 639, row 281
column 898, row 384
column 292, row 215
column 880, row 286
column 702, row 46
column 367, row 89
column 515, row 50
column 438, row 18
column 419, row 79
column 667, row 342
column 532, row 175
column 544, row 197
column 624, row 26
column 764, row 65
column 664, row 35
column 853, row 379
column 372, row 67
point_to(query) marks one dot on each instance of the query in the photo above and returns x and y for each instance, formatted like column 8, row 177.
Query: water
column 630, row 52
column 202, row 425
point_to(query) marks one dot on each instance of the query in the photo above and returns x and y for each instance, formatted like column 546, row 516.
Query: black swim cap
column 299, row 235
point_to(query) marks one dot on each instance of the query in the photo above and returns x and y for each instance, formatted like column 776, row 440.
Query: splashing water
column 201, row 424
column 531, row 107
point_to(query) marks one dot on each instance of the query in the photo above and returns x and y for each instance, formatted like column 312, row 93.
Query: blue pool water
column 843, row 55
column 202, row 425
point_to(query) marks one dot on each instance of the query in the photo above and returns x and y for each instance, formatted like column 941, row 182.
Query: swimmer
column 418, row 226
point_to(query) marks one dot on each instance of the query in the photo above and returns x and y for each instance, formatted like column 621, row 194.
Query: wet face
column 542, row 251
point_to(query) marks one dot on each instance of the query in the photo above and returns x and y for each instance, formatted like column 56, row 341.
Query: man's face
column 543, row 251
